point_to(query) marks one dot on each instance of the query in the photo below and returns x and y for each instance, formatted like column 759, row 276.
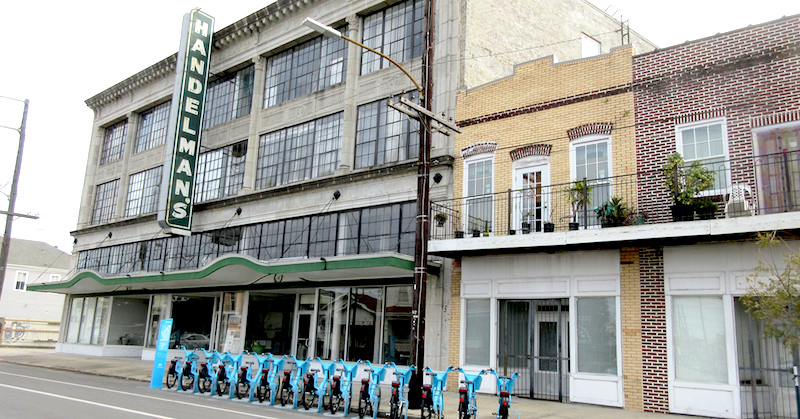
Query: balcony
column 748, row 195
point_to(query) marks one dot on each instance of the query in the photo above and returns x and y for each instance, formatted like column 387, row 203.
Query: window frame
column 573, row 169
column 482, row 158
column 230, row 169
column 113, row 147
column 378, row 36
column 24, row 275
column 225, row 103
column 139, row 205
column 152, row 133
column 105, row 200
column 377, row 125
column 725, row 156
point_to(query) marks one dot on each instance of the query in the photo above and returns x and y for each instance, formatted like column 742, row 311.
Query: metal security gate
column 534, row 342
column 766, row 379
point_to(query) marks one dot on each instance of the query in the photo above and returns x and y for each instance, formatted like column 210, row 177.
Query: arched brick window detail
column 531, row 150
column 478, row 148
column 595, row 128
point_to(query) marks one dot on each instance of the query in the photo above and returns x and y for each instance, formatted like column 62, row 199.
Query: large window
column 591, row 159
column 706, row 142
column 152, row 130
column 386, row 228
column 22, row 281
column 143, row 192
column 301, row 152
column 476, row 336
column 698, row 339
column 478, row 184
column 87, row 320
column 778, row 167
column 306, row 68
column 229, row 97
column 220, row 172
column 396, row 32
column 385, row 135
column 114, row 142
column 597, row 335
column 105, row 202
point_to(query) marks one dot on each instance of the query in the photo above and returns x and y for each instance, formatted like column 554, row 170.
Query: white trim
column 725, row 149
column 588, row 139
column 464, row 188
column 24, row 281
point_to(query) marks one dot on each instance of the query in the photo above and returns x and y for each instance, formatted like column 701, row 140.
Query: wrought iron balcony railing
column 752, row 186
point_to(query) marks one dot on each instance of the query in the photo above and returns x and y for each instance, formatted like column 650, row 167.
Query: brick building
column 645, row 315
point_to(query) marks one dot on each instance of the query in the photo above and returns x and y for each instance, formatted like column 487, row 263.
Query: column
column 257, row 108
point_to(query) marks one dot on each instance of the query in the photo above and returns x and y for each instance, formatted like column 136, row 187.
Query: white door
column 550, row 350
column 531, row 198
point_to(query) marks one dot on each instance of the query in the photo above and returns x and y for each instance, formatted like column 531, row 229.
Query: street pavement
column 138, row 370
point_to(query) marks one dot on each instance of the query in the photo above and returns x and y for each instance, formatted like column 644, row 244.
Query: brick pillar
column 631, row 328
column 455, row 322
column 655, row 397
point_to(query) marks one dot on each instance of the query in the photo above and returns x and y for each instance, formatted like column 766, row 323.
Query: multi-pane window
column 301, row 152
column 22, row 281
column 229, row 97
column 220, row 172
column 591, row 159
column 152, row 130
column 386, row 228
column 479, row 186
column 143, row 192
column 385, row 135
column 396, row 32
column 306, row 68
column 105, row 202
column 114, row 142
column 706, row 142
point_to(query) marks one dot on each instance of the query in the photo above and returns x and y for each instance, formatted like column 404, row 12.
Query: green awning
column 238, row 270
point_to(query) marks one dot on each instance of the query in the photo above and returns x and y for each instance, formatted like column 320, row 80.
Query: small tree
column 773, row 295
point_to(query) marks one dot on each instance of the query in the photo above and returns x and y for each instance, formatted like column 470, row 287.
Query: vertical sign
column 186, row 124
column 162, row 348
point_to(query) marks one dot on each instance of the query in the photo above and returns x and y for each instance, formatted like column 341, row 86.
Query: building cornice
column 244, row 28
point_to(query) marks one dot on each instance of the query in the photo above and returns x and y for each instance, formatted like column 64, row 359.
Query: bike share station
column 313, row 384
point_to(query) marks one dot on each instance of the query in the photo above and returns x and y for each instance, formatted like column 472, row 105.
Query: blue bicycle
column 467, row 403
column 398, row 403
column 432, row 397
column 505, row 386
column 369, row 400
column 264, row 377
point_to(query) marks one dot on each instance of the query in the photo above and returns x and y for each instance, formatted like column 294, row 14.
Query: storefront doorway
column 534, row 342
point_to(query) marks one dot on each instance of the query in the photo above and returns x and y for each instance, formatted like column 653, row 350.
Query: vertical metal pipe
column 508, row 218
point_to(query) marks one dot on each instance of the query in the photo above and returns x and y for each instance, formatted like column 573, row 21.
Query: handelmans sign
column 186, row 116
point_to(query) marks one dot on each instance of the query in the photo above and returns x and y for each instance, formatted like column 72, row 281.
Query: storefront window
column 698, row 339
column 87, row 319
column 230, row 330
column 128, row 321
column 597, row 335
column 366, row 312
column 397, row 326
column 269, row 322
column 191, row 321
column 158, row 312
column 332, row 323
column 476, row 338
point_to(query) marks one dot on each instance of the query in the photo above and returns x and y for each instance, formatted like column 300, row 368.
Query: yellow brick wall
column 455, row 322
column 631, row 328
column 541, row 81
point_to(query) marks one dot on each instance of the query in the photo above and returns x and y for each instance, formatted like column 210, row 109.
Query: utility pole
column 13, row 196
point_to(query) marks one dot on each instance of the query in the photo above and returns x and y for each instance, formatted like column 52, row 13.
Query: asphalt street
column 31, row 392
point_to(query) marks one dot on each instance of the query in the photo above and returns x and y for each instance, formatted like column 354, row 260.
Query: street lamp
column 427, row 119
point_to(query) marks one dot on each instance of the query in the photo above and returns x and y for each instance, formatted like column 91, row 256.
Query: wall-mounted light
column 437, row 177
column 239, row 211
column 337, row 194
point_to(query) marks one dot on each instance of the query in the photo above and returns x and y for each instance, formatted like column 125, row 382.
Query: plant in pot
column 613, row 213
column 440, row 219
column 684, row 184
column 579, row 197
column 705, row 209
column 526, row 222
column 549, row 226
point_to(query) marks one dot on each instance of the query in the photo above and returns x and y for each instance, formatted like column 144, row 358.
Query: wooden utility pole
column 12, row 197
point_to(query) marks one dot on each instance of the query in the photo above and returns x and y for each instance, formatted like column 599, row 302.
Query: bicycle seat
column 504, row 393
column 463, row 390
column 395, row 383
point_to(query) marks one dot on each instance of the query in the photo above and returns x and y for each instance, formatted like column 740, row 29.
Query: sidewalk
column 138, row 370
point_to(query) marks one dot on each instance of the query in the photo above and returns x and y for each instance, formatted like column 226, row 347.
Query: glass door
column 531, row 202
column 305, row 313
column 550, row 348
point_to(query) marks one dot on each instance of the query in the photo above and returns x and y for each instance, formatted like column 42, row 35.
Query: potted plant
column 548, row 225
column 613, row 213
column 705, row 209
column 684, row 184
column 640, row 218
column 526, row 224
column 440, row 219
column 579, row 198
column 459, row 234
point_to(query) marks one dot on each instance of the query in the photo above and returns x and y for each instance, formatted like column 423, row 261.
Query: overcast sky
column 58, row 54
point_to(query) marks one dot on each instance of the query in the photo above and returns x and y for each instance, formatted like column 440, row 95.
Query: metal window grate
column 152, row 130
column 114, row 142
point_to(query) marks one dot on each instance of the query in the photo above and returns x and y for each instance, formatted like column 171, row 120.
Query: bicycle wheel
column 463, row 410
column 172, row 379
column 204, row 385
column 242, row 390
column 222, row 388
column 334, row 404
column 187, row 382
column 394, row 410
column 362, row 407
column 286, row 395
column 502, row 413
column 262, row 392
